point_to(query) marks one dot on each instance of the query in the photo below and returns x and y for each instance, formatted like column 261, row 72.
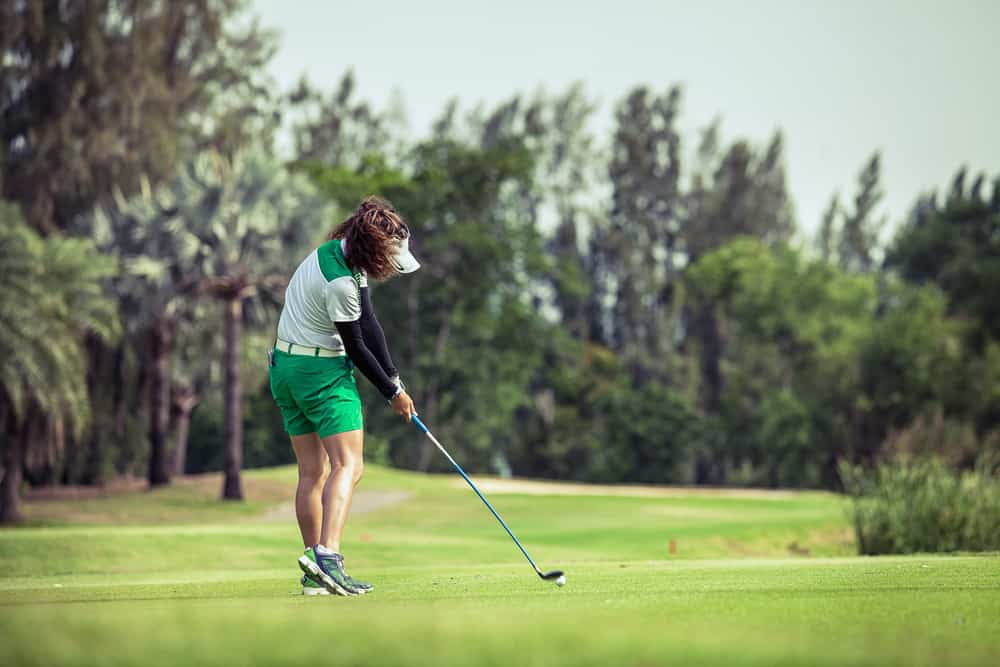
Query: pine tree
column 828, row 230
column 745, row 195
column 954, row 245
column 94, row 95
column 336, row 129
column 858, row 243
column 633, row 254
column 741, row 193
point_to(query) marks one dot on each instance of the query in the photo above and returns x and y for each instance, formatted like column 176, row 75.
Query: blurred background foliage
column 638, row 307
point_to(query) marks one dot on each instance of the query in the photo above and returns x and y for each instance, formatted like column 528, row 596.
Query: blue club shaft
column 420, row 425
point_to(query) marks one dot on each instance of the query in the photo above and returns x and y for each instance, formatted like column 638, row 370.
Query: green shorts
column 316, row 394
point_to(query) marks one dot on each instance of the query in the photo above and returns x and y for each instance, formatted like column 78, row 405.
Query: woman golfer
column 328, row 327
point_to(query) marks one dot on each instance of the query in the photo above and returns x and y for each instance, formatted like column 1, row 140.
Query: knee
column 312, row 478
column 355, row 468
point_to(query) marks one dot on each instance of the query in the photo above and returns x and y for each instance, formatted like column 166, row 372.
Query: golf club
column 556, row 575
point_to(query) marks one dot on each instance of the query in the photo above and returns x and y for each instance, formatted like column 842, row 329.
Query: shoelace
column 338, row 564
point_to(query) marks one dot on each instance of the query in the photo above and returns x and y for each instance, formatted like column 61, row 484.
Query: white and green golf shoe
column 310, row 587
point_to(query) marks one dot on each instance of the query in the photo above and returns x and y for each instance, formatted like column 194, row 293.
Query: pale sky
column 918, row 80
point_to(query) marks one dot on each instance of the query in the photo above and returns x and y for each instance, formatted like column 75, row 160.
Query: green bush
column 923, row 506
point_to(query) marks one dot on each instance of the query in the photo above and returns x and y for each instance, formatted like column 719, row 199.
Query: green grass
column 175, row 577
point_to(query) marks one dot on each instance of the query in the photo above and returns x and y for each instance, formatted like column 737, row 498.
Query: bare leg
column 346, row 467
column 311, row 458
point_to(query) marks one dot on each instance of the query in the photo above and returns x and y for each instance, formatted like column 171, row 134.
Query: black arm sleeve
column 374, row 337
column 358, row 352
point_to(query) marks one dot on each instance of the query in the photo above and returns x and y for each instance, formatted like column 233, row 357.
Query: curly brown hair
column 371, row 234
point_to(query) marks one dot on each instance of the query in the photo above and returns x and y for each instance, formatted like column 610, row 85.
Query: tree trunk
column 159, row 413
column 428, row 415
column 185, row 400
column 10, row 486
column 712, row 348
column 119, row 399
column 232, row 488
column 712, row 343
column 181, row 441
column 111, row 440
column 136, row 405
column 106, row 392
column 440, row 345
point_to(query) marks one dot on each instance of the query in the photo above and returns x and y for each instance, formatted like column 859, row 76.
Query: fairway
column 174, row 577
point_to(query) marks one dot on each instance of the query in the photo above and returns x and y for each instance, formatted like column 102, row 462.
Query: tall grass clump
column 923, row 506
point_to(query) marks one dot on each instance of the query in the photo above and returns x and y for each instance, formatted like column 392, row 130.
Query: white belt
column 305, row 351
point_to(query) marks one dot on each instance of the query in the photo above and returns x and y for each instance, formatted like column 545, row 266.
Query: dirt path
column 76, row 503
column 548, row 488
column 363, row 503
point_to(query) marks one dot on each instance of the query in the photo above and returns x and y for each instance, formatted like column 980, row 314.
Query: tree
column 115, row 441
column 822, row 364
column 471, row 294
column 558, row 198
column 462, row 329
column 158, row 276
column 95, row 95
column 954, row 245
column 741, row 193
column 829, row 231
column 50, row 296
column 154, row 277
column 567, row 171
column 197, row 352
column 858, row 242
column 227, row 228
column 633, row 256
column 790, row 367
column 336, row 130
column 911, row 364
column 247, row 221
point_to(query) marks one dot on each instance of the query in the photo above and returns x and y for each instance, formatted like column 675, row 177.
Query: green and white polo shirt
column 323, row 290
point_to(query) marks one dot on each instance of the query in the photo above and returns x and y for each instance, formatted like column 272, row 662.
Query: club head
column 549, row 576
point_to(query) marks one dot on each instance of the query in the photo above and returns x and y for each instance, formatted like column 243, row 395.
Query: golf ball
column 561, row 581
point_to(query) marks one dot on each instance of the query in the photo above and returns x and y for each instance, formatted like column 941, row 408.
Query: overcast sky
column 918, row 80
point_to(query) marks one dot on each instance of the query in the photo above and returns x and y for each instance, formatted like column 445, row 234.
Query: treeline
column 636, row 308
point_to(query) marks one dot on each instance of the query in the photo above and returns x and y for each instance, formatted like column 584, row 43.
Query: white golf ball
column 561, row 581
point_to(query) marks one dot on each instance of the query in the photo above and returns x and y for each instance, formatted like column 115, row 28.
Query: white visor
column 404, row 261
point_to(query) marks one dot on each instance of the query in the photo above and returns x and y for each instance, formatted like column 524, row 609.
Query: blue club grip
column 416, row 420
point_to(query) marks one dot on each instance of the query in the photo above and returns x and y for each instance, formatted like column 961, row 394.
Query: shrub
column 923, row 506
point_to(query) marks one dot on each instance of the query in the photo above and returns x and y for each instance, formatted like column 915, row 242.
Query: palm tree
column 195, row 363
column 227, row 228
column 248, row 220
column 50, row 299
column 157, row 275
